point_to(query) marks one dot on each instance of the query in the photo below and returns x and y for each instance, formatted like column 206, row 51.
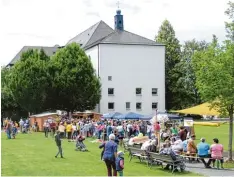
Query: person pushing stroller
column 80, row 143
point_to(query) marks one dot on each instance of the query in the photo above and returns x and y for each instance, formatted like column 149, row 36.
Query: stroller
column 80, row 146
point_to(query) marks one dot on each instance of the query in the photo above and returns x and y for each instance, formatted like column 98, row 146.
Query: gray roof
column 101, row 33
column 125, row 37
column 48, row 50
column 92, row 34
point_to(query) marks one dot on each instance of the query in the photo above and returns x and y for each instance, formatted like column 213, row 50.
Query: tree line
column 64, row 81
column 199, row 71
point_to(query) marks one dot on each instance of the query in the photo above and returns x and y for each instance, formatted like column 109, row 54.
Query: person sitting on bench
column 203, row 151
column 167, row 150
column 191, row 147
column 216, row 151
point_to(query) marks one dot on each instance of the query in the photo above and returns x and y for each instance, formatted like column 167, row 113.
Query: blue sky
column 51, row 22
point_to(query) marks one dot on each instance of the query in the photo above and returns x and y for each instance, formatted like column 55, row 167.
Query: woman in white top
column 149, row 130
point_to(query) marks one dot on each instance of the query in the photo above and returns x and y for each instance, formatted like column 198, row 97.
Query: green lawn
column 210, row 133
column 33, row 155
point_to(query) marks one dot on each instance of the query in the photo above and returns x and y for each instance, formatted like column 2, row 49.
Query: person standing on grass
column 52, row 128
column 69, row 131
column 110, row 154
column 61, row 129
column 8, row 129
column 120, row 163
column 21, row 122
column 182, row 133
column 46, row 128
column 58, row 142
column 14, row 131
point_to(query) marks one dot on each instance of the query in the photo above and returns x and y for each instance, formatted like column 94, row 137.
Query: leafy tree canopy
column 74, row 82
column 166, row 35
column 28, row 80
column 214, row 70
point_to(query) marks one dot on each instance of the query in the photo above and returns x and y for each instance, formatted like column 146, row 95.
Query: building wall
column 93, row 54
column 131, row 67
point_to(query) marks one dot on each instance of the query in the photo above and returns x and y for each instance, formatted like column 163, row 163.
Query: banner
column 188, row 122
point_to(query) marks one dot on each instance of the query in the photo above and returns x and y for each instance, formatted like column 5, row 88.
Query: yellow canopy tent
column 202, row 109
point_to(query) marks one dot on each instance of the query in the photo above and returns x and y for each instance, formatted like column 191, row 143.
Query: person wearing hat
column 120, row 163
column 203, row 151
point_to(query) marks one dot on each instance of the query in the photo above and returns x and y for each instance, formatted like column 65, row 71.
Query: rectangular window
column 154, row 91
column 110, row 91
column 138, row 106
column 154, row 105
column 128, row 105
column 111, row 106
column 109, row 78
column 138, row 91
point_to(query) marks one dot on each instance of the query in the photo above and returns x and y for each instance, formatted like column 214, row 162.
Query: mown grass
column 209, row 133
column 33, row 155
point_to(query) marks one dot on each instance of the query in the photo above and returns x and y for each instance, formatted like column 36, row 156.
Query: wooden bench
column 167, row 159
column 126, row 147
column 136, row 152
column 190, row 157
column 137, row 145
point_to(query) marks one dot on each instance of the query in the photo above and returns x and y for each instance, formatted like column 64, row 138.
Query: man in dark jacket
column 59, row 144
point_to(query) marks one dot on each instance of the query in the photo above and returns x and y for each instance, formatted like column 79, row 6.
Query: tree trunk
column 231, row 111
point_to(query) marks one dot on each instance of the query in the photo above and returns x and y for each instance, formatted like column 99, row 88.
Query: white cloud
column 50, row 22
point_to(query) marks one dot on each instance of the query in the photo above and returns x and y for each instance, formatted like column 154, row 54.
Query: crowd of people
column 174, row 140
column 13, row 127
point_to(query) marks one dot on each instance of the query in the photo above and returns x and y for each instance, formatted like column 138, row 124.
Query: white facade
column 130, row 67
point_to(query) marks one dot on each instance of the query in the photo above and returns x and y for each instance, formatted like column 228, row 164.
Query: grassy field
column 213, row 132
column 33, row 155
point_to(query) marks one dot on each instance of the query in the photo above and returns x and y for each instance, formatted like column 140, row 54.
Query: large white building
column 131, row 68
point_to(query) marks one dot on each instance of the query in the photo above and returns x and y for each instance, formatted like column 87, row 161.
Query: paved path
column 199, row 168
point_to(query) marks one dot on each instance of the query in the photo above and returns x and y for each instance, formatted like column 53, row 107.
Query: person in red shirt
column 52, row 128
column 182, row 133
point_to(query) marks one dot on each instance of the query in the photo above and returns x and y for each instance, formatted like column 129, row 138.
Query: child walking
column 59, row 144
column 120, row 163
column 14, row 131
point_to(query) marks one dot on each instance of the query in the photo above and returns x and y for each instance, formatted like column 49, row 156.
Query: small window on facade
column 154, row 91
column 138, row 106
column 111, row 106
column 154, row 105
column 110, row 91
column 128, row 105
column 109, row 78
column 120, row 22
column 138, row 91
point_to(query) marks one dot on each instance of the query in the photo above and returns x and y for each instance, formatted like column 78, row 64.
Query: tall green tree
column 166, row 35
column 187, row 80
column 8, row 103
column 214, row 70
column 28, row 80
column 230, row 25
column 74, row 83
